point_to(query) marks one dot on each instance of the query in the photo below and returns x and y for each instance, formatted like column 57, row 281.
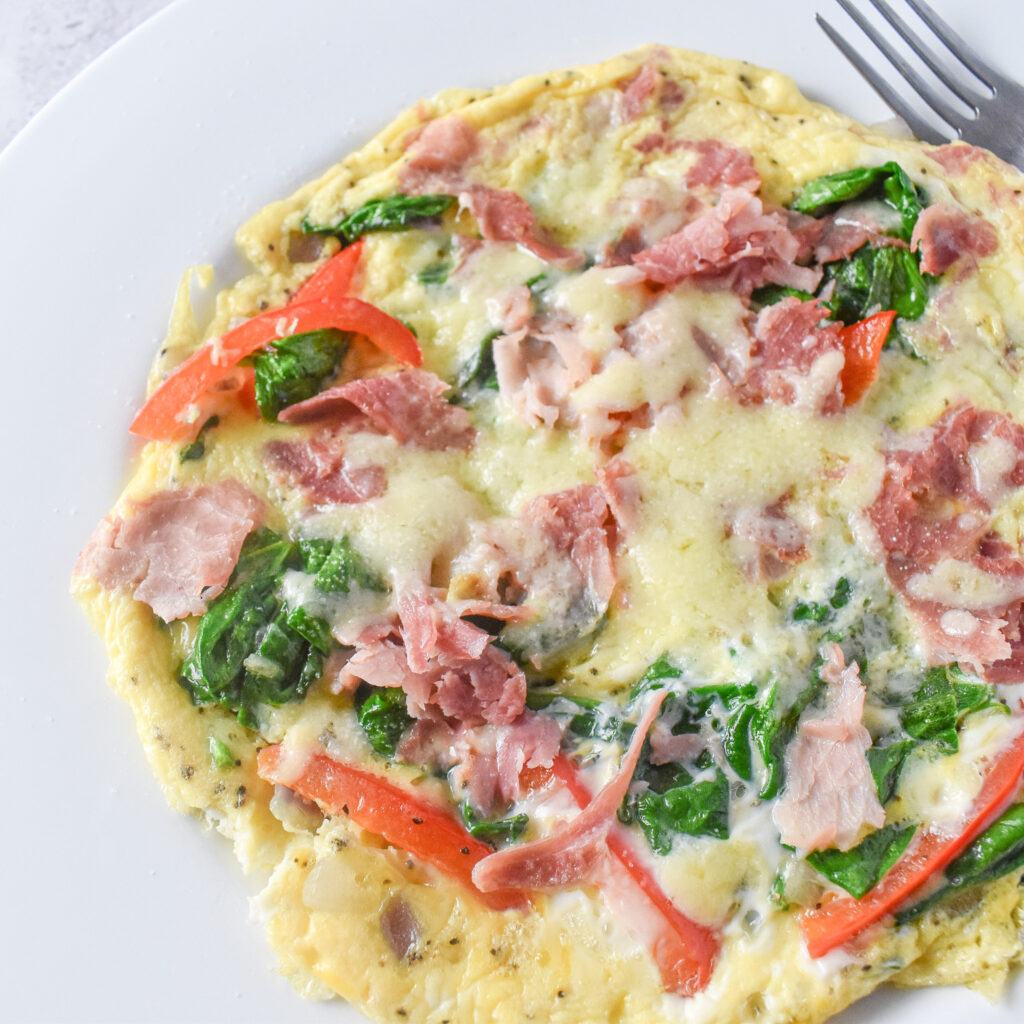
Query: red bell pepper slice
column 684, row 950
column 168, row 415
column 862, row 345
column 839, row 920
column 334, row 277
column 409, row 822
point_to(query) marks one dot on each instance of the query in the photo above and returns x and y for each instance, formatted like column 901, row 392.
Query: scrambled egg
column 327, row 882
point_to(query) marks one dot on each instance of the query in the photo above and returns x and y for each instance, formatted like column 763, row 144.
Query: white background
column 114, row 908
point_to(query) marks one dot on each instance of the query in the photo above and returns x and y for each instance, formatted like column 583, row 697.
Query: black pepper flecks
column 240, row 796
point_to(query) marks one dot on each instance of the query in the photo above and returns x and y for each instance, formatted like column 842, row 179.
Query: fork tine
column 921, row 128
column 913, row 40
column 910, row 76
column 967, row 55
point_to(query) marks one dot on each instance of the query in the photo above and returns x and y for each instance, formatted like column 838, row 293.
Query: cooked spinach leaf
column 220, row 754
column 245, row 652
column 874, row 278
column 383, row 716
column 539, row 283
column 886, row 763
column 859, row 869
column 941, row 702
column 436, row 273
column 393, row 213
column 823, row 611
column 197, row 449
column 692, row 808
column 769, row 294
column 315, row 631
column 505, row 830
column 477, row 374
column 656, row 672
column 596, row 720
column 295, row 368
column 889, row 182
column 336, row 566
column 281, row 669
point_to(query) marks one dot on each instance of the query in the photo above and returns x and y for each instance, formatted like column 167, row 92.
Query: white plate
column 115, row 908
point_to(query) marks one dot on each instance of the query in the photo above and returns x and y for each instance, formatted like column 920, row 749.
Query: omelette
column 579, row 567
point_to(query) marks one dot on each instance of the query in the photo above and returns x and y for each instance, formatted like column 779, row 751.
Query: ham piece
column 318, row 468
column 945, row 233
column 177, row 550
column 721, row 165
column 438, row 157
column 620, row 486
column 574, row 522
column 408, row 406
column 573, row 852
column 485, row 761
column 768, row 541
column 538, row 365
column 556, row 558
column 830, row 794
column 793, row 359
column 957, row 157
column 558, row 548
column 797, row 360
column 447, row 667
column 963, row 584
column 737, row 240
column 638, row 90
column 504, row 216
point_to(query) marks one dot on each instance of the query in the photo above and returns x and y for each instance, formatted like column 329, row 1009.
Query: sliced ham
column 768, row 541
column 484, row 762
column 489, row 760
column 437, row 156
column 408, row 406
column 177, row 549
column 797, row 359
column 945, row 233
column 792, row 359
column 668, row 747
column 574, row 521
column 638, row 91
column 572, row 853
column 539, row 365
column 721, row 165
column 830, row 796
column 838, row 235
column 957, row 157
column 490, row 688
column 556, row 558
column 962, row 583
column 737, row 236
column 504, row 216
column 318, row 468
column 621, row 488
column 430, row 627
column 445, row 665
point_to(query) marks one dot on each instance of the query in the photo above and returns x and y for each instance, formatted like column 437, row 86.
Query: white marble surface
column 45, row 43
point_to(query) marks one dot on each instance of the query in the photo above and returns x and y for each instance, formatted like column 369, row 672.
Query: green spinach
column 859, row 869
column 392, row 213
column 295, row 368
column 888, row 182
column 383, row 716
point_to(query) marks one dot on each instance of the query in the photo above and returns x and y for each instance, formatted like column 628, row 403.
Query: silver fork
column 998, row 109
